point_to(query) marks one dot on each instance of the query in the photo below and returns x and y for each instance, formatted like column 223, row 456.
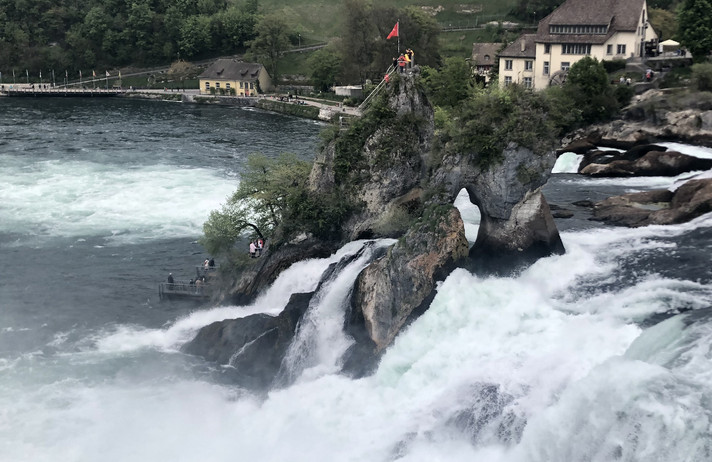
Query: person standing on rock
column 253, row 249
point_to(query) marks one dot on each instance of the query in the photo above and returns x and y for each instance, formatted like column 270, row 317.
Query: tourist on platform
column 253, row 249
column 170, row 278
column 211, row 263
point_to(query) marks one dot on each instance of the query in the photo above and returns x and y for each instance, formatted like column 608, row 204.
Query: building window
column 528, row 65
column 576, row 48
column 507, row 64
column 487, row 58
column 241, row 85
column 252, row 86
column 507, row 81
column 217, row 84
column 547, row 48
column 227, row 86
column 621, row 49
column 609, row 49
column 527, row 82
column 546, row 67
column 578, row 30
column 207, row 85
column 565, row 66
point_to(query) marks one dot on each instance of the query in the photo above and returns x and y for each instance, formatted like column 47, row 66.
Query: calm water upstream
column 567, row 361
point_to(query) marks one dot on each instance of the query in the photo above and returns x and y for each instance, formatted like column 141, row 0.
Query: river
column 600, row 354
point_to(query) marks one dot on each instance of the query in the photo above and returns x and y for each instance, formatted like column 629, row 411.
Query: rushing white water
column 567, row 162
column 50, row 198
column 320, row 341
column 560, row 364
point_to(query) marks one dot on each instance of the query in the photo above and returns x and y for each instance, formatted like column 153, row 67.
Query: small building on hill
column 483, row 58
column 233, row 77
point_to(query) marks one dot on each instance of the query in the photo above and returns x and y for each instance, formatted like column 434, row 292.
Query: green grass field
column 321, row 20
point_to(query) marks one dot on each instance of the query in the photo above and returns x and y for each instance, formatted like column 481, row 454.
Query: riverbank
column 306, row 108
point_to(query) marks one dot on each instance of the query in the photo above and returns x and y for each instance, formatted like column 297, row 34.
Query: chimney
column 523, row 45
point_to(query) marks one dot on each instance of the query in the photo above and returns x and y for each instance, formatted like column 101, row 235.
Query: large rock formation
column 386, row 167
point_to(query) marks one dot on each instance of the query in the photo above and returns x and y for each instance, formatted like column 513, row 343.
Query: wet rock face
column 658, row 207
column 392, row 288
column 653, row 163
column 254, row 345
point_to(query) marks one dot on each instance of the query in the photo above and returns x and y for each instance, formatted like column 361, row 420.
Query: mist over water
column 600, row 354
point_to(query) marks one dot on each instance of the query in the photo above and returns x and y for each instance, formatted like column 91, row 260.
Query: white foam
column 567, row 162
column 67, row 199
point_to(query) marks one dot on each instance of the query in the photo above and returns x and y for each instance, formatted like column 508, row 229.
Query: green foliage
column 319, row 214
column 695, row 27
column 487, row 122
column 702, row 76
column 663, row 21
column 449, row 86
column 532, row 11
column 271, row 41
column 623, row 94
column 588, row 86
column 613, row 65
column 348, row 145
column 63, row 34
column 266, row 189
column 325, row 66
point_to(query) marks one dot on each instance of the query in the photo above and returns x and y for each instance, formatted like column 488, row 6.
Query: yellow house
column 603, row 29
column 233, row 77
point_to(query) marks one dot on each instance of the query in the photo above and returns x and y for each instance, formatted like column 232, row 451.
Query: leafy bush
column 623, row 94
column 489, row 121
column 702, row 76
column 588, row 86
column 613, row 65
column 266, row 190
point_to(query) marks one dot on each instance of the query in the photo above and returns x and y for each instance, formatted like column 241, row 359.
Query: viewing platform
column 194, row 289
column 38, row 92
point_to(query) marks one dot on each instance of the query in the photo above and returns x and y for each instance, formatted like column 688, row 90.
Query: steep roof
column 482, row 50
column 523, row 47
column 231, row 69
column 618, row 15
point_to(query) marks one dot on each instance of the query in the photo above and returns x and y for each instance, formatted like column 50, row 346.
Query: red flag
column 394, row 32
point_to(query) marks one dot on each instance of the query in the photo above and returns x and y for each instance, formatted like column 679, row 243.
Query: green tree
column 695, row 27
column 195, row 36
column 451, row 85
column 588, row 86
column 664, row 22
column 272, row 39
column 266, row 189
column 358, row 45
column 325, row 65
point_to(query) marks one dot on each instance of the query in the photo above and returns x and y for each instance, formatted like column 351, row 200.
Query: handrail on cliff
column 390, row 71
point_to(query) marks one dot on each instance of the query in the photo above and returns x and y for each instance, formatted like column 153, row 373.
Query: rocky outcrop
column 254, row 345
column 679, row 115
column 657, row 207
column 392, row 288
column 398, row 185
column 654, row 163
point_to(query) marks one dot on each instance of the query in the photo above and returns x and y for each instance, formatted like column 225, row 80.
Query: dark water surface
column 101, row 198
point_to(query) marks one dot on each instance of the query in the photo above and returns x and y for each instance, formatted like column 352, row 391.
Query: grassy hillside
column 321, row 20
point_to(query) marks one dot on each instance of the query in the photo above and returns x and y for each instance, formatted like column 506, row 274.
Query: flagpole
column 398, row 23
